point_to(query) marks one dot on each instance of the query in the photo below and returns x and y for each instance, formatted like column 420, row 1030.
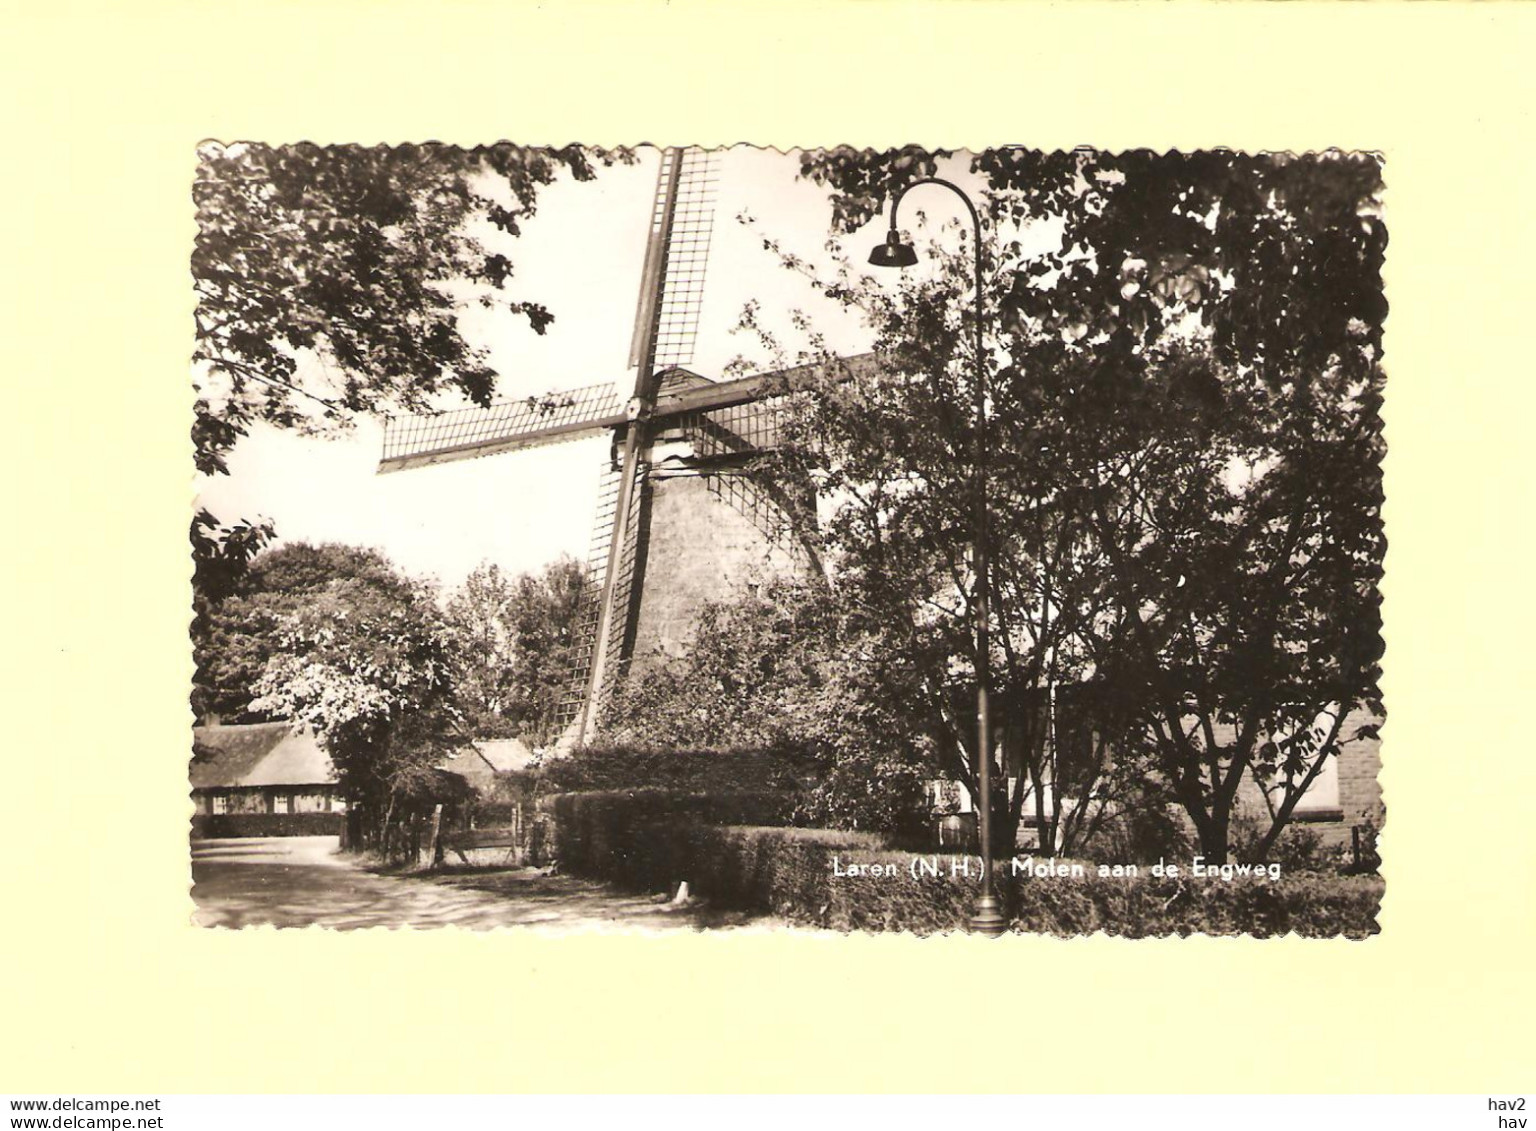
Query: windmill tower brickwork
column 686, row 514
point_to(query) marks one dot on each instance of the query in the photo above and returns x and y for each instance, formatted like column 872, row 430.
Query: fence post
column 437, row 841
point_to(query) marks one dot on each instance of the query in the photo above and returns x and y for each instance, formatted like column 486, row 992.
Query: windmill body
column 685, row 515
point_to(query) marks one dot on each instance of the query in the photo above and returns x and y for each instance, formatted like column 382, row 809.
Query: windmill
column 679, row 493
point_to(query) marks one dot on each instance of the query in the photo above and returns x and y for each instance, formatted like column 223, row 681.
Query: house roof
column 505, row 754
column 257, row 754
column 487, row 758
column 480, row 765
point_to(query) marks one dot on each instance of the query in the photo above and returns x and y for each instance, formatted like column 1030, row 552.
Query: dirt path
column 304, row 881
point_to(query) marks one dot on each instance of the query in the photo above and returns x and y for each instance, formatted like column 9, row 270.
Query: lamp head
column 894, row 252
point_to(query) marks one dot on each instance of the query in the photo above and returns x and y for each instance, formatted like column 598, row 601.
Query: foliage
column 1183, row 467
column 782, row 667
column 218, row 825
column 641, row 837
column 609, row 766
column 330, row 279
column 1370, row 855
column 221, row 559
column 234, row 632
column 653, row 844
column 221, row 556
column 369, row 669
column 306, row 566
column 513, row 638
column 330, row 283
column 785, row 872
column 1142, row 827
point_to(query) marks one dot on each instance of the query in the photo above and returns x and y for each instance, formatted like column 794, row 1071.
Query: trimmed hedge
column 1310, row 904
column 641, row 838
column 210, row 825
column 652, row 840
column 747, row 770
column 784, row 871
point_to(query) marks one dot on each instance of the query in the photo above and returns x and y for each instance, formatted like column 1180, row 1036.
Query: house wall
column 243, row 801
column 314, row 801
column 1347, row 792
column 256, row 808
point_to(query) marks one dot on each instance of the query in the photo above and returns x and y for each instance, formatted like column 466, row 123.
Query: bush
column 651, row 840
column 867, row 790
column 1300, row 849
column 640, row 838
column 1140, row 833
column 267, row 824
column 785, row 666
column 1296, row 849
column 625, row 767
column 1369, row 828
column 1144, row 906
column 781, row 870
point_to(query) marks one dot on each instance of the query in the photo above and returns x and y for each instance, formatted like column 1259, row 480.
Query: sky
column 580, row 256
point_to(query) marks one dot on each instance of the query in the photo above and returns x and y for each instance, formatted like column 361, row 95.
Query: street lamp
column 895, row 252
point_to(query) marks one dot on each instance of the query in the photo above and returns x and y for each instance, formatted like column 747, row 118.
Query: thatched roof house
column 261, row 769
column 487, row 758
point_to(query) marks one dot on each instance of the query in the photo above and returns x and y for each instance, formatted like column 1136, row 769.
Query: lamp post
column 894, row 252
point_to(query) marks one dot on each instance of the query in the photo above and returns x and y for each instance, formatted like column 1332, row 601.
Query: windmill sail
column 677, row 253
column 573, row 694
column 468, row 433
column 666, row 325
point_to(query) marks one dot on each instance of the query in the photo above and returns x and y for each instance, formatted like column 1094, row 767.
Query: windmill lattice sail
column 584, row 632
column 469, row 433
column 677, row 254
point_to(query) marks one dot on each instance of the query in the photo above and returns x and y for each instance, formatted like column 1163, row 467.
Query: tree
column 221, row 559
column 1185, row 466
column 235, row 631
column 329, row 283
column 330, row 279
column 513, row 639
column 369, row 669
column 221, row 556
column 782, row 667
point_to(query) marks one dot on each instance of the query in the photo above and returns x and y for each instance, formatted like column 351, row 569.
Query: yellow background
column 105, row 987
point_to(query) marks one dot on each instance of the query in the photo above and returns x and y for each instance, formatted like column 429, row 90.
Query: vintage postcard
column 904, row 359
column 836, row 539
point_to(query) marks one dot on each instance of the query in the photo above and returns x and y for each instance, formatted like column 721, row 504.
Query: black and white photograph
column 834, row 540
column 904, row 561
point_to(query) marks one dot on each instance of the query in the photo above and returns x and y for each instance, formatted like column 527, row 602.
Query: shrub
column 785, row 666
column 1370, row 857
column 866, row 789
column 699, row 770
column 1300, row 849
column 640, row 838
column 1140, row 832
column 267, row 824
column 1144, row 906
column 786, row 871
column 651, row 840
column 1297, row 848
